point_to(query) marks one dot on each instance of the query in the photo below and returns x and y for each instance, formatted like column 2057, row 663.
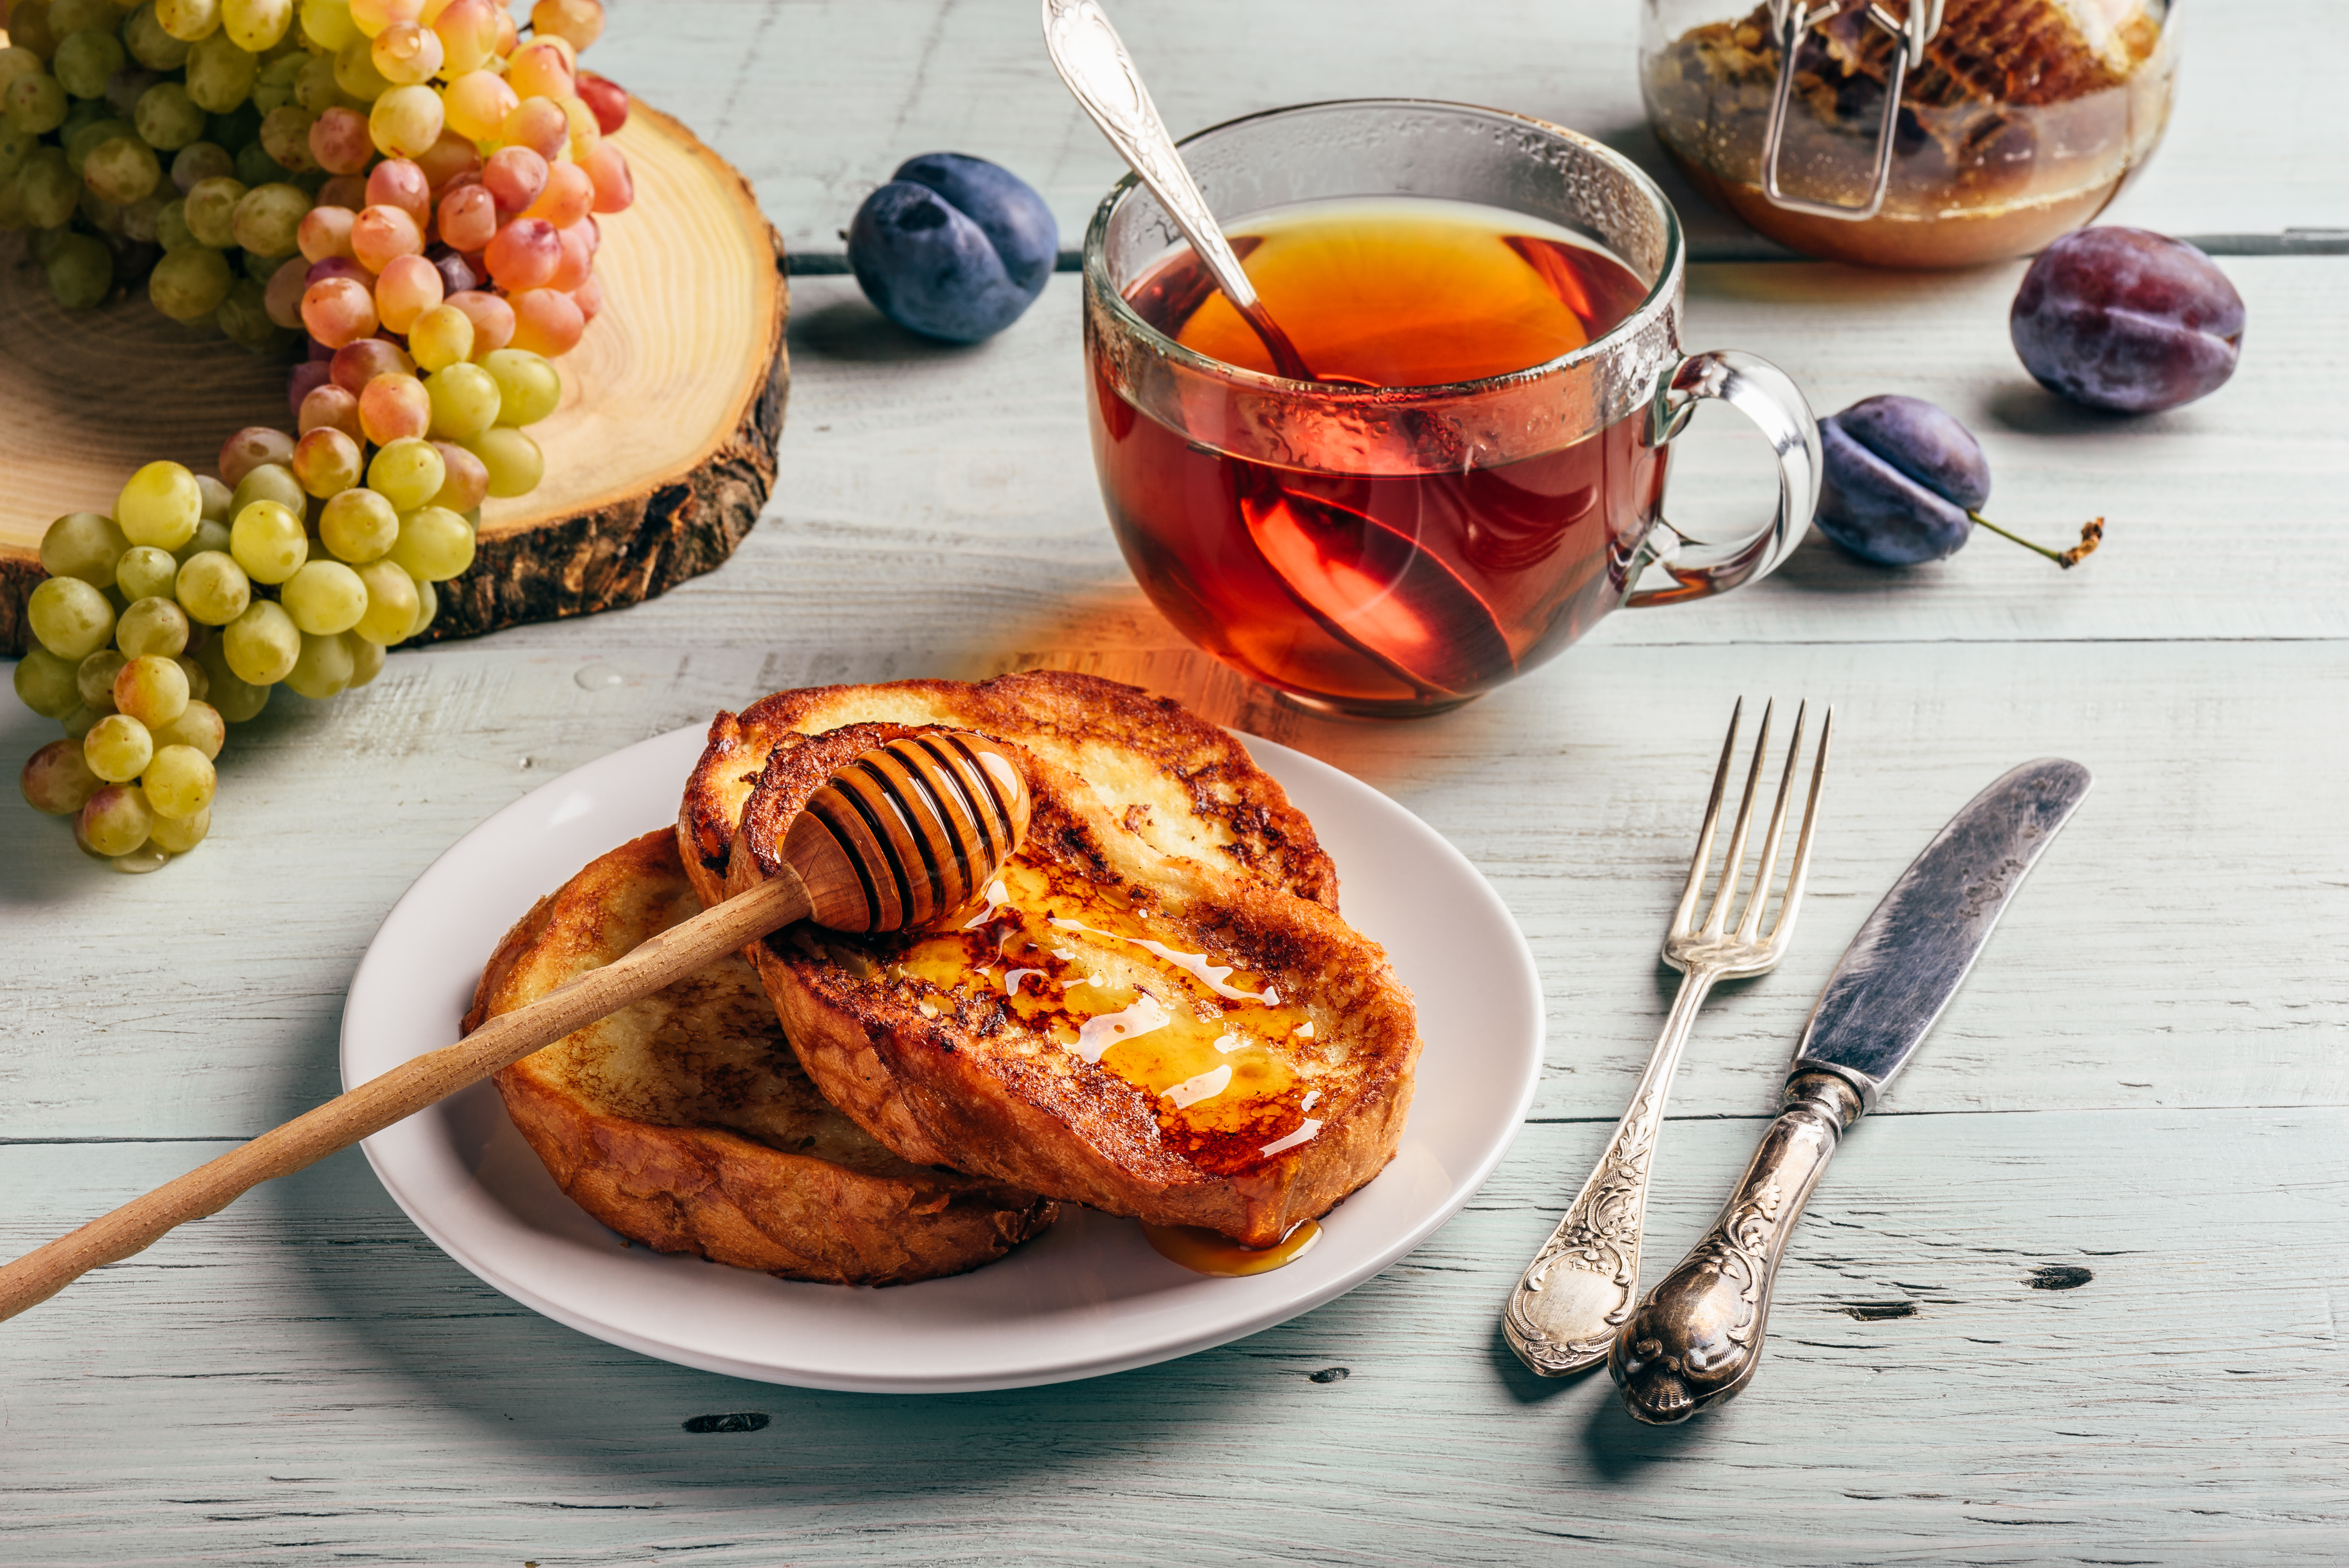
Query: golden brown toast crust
column 1182, row 783
column 685, row 1122
column 958, row 1076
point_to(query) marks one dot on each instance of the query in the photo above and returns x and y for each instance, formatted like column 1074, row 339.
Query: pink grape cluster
column 460, row 215
column 187, row 143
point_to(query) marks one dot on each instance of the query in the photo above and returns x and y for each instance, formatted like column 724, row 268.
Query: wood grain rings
column 908, row 832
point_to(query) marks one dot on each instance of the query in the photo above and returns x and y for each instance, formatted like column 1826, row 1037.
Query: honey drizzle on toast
column 1227, row 1064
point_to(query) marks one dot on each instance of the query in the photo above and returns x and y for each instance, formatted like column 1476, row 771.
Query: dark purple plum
column 1904, row 482
column 1007, row 209
column 953, row 247
column 1901, row 481
column 2126, row 320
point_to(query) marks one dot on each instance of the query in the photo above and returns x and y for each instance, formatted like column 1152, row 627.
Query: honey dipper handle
column 381, row 1101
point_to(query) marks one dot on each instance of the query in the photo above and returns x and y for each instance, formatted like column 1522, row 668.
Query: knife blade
column 1696, row 1339
column 1898, row 976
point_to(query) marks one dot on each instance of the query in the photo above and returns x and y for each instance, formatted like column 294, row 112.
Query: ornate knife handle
column 1696, row 1339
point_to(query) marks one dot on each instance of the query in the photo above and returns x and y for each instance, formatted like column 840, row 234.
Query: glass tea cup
column 1393, row 550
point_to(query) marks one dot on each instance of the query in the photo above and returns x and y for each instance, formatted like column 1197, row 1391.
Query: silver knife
column 1696, row 1339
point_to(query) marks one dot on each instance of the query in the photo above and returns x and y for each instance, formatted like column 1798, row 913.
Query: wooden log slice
column 658, row 461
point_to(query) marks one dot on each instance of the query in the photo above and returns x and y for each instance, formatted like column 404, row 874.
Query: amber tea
column 1375, row 591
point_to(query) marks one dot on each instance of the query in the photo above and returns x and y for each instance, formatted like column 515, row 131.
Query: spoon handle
column 1092, row 59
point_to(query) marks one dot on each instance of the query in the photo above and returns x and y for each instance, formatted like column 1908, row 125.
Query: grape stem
column 2092, row 533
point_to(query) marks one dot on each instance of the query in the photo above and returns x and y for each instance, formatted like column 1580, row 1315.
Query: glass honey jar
column 1909, row 133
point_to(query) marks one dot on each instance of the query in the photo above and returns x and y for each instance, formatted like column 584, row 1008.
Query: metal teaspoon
column 1092, row 61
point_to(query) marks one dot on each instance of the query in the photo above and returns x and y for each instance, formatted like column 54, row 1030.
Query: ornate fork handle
column 1581, row 1286
column 1697, row 1338
column 1564, row 1312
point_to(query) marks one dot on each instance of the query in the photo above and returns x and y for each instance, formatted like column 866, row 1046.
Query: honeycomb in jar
column 1967, row 128
column 2022, row 53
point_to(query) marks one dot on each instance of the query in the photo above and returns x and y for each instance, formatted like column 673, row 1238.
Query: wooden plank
column 304, row 1376
column 906, row 465
column 2160, row 958
column 2155, row 1030
column 817, row 100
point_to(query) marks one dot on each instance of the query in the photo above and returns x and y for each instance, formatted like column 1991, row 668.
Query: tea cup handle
column 1767, row 396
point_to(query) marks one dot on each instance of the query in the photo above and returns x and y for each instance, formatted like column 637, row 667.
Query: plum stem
column 2092, row 533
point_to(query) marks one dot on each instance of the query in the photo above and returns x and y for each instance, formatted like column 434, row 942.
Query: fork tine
column 1698, row 862
column 1788, row 907
column 1732, row 864
column 1766, row 870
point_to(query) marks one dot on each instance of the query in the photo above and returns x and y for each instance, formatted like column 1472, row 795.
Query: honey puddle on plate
column 1212, row 1252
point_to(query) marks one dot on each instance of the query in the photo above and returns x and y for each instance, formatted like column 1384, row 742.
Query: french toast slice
column 684, row 1121
column 1183, row 784
column 1147, row 1032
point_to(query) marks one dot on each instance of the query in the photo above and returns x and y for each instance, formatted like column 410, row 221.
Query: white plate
column 1090, row 1296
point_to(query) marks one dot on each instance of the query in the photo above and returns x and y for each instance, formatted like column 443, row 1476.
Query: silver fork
column 1583, row 1283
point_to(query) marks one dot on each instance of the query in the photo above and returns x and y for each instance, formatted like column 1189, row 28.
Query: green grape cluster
column 162, row 624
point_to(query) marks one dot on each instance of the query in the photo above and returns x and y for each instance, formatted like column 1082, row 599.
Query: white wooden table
column 2142, row 1096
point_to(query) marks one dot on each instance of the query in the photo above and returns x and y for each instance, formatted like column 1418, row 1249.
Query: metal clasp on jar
column 1788, row 19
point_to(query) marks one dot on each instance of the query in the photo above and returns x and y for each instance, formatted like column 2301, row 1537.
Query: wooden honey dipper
column 901, row 836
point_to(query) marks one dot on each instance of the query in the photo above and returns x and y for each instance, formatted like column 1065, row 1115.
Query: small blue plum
column 1902, row 480
column 953, row 247
column 1007, row 209
column 1905, row 482
column 2126, row 320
